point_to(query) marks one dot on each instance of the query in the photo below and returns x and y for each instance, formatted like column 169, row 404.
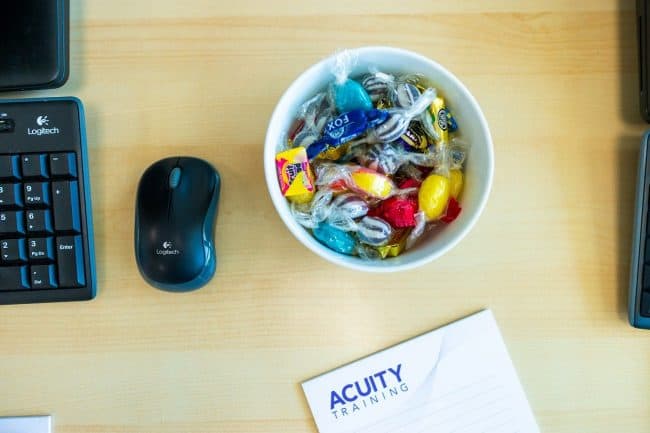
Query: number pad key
column 14, row 278
column 40, row 249
column 12, row 251
column 39, row 221
column 37, row 194
column 34, row 166
column 10, row 195
column 69, row 257
column 43, row 277
column 9, row 167
column 11, row 223
column 65, row 203
column 63, row 165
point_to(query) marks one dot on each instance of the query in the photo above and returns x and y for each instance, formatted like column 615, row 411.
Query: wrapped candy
column 438, row 110
column 374, row 231
column 347, row 94
column 398, row 211
column 335, row 239
column 310, row 121
column 378, row 85
column 346, row 127
column 355, row 178
column 434, row 196
column 294, row 175
column 370, row 230
column 414, row 138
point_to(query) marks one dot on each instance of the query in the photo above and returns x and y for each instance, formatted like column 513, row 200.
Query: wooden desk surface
column 557, row 81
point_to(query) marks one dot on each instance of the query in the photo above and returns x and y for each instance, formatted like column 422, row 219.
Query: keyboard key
column 43, row 277
column 34, row 166
column 39, row 221
column 10, row 195
column 37, row 194
column 41, row 249
column 69, row 256
column 12, row 251
column 9, row 167
column 63, row 165
column 14, row 278
column 11, row 223
column 65, row 203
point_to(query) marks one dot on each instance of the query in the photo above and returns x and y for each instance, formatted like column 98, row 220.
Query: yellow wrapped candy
column 438, row 111
column 372, row 183
column 456, row 179
column 434, row 196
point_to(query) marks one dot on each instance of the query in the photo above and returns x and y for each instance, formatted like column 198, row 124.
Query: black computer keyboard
column 46, row 235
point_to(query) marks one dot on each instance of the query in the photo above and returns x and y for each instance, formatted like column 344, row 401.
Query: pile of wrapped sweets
column 372, row 163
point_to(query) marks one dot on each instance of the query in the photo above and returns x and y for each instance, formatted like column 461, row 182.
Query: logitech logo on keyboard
column 43, row 124
column 368, row 391
column 167, row 250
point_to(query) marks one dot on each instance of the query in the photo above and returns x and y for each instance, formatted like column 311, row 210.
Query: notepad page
column 456, row 379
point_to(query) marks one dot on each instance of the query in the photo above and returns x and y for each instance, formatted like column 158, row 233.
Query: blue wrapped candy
column 346, row 127
column 350, row 95
column 335, row 239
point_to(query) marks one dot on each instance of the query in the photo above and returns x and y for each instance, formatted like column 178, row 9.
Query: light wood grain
column 550, row 255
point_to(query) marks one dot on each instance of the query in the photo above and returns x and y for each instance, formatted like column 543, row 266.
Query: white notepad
column 456, row 379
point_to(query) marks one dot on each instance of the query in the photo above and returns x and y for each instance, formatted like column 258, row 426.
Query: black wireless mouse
column 175, row 213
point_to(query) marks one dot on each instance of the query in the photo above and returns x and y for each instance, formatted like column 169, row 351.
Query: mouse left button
column 174, row 177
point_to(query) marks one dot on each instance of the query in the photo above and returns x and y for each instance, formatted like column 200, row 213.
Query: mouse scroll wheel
column 175, row 177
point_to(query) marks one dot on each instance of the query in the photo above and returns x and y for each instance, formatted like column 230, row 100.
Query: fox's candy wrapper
column 344, row 128
column 294, row 175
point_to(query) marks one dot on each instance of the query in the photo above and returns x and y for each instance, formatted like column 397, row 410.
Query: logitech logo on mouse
column 371, row 390
column 42, row 121
column 167, row 249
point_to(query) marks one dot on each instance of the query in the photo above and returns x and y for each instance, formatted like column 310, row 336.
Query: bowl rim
column 357, row 263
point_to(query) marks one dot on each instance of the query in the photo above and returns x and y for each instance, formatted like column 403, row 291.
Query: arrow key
column 12, row 251
column 39, row 221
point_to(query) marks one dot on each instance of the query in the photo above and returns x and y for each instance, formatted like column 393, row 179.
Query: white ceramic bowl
column 473, row 128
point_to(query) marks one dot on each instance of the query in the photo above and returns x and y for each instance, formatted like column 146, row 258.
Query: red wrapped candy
column 399, row 211
column 453, row 210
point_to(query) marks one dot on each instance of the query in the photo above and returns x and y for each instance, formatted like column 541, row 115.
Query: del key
column 65, row 203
